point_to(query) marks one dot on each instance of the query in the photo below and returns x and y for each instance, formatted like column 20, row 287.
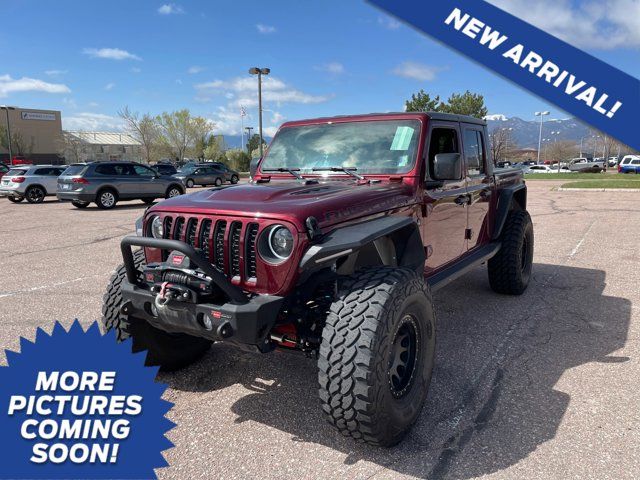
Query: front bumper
column 240, row 319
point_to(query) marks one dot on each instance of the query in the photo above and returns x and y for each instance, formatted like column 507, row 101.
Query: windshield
column 383, row 147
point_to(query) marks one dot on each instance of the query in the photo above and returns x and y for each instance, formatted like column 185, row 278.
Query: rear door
column 480, row 184
column 145, row 179
column 444, row 204
column 47, row 177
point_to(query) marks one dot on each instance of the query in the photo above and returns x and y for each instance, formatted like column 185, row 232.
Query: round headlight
column 281, row 242
column 157, row 229
column 276, row 244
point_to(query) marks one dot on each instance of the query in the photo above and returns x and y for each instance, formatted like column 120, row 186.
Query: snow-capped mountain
column 525, row 132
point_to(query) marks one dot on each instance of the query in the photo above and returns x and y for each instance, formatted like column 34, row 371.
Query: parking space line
column 44, row 287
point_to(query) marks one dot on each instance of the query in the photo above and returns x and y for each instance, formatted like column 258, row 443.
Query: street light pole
column 541, row 115
column 6, row 109
column 260, row 72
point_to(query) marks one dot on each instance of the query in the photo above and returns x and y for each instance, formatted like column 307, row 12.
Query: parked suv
column 33, row 182
column 201, row 174
column 106, row 183
column 629, row 164
column 332, row 251
column 229, row 174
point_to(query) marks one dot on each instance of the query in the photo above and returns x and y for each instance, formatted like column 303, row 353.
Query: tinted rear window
column 16, row 171
column 75, row 170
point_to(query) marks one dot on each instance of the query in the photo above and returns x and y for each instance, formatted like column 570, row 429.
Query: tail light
column 80, row 180
column 18, row 179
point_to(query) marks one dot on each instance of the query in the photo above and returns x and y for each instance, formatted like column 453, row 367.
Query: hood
column 329, row 201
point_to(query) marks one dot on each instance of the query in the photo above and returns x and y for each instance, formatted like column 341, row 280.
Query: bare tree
column 71, row 147
column 562, row 151
column 502, row 144
column 144, row 129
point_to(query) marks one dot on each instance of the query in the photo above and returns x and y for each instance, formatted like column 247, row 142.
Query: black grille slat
column 250, row 250
column 178, row 228
column 204, row 242
column 218, row 244
column 192, row 226
column 234, row 248
column 168, row 223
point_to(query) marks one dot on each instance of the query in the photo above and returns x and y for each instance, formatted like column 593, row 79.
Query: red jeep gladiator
column 332, row 250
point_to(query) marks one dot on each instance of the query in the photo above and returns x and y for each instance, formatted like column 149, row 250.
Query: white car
column 539, row 169
column 33, row 182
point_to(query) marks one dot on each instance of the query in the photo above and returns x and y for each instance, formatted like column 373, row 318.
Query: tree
column 502, row 143
column 238, row 159
column 463, row 104
column 19, row 145
column 213, row 150
column 144, row 129
column 422, row 102
column 562, row 151
column 179, row 131
column 254, row 143
column 71, row 147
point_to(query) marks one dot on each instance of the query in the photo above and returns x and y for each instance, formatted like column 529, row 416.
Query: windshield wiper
column 292, row 171
column 348, row 170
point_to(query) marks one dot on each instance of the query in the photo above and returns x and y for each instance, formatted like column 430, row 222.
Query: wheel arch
column 510, row 198
column 32, row 185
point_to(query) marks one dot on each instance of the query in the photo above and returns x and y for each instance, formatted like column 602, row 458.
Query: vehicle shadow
column 498, row 361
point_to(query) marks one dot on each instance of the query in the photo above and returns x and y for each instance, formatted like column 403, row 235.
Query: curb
column 560, row 189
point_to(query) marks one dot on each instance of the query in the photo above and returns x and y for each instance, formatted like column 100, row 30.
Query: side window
column 43, row 171
column 443, row 140
column 635, row 162
column 473, row 152
column 143, row 171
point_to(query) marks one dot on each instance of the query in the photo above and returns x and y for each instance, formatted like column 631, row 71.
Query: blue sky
column 89, row 59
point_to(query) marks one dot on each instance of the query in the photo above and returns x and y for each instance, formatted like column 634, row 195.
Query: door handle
column 462, row 200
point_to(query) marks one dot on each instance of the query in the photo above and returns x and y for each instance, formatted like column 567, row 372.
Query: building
column 86, row 146
column 35, row 134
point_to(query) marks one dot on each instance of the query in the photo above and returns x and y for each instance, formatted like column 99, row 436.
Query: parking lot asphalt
column 544, row 385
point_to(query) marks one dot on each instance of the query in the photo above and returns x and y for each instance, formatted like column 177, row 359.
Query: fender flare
column 508, row 198
column 345, row 241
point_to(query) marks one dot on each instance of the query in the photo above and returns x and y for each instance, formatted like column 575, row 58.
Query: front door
column 479, row 184
column 444, row 204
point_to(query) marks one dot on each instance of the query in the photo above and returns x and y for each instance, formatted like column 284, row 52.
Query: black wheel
column 173, row 191
column 169, row 351
column 218, row 182
column 106, row 199
column 190, row 183
column 148, row 201
column 377, row 354
column 510, row 269
column 234, row 179
column 35, row 194
column 79, row 204
column 15, row 199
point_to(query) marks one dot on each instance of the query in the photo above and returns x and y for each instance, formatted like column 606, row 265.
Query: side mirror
column 253, row 166
column 447, row 166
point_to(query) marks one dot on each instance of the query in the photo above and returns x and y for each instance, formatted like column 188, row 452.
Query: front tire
column 15, row 199
column 35, row 194
column 169, row 351
column 377, row 354
column 234, row 179
column 510, row 268
column 173, row 191
column 190, row 183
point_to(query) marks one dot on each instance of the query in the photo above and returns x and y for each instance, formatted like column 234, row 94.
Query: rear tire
column 218, row 182
column 15, row 199
column 35, row 194
column 190, row 183
column 106, row 199
column 234, row 179
column 377, row 354
column 79, row 204
column 169, row 351
column 510, row 268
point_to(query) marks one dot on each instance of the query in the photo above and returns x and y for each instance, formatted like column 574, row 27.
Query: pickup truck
column 333, row 251
column 584, row 165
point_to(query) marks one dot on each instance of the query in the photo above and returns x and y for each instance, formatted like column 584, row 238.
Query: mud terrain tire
column 382, row 314
column 169, row 351
column 510, row 268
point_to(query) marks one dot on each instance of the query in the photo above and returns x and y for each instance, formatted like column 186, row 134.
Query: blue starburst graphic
column 77, row 404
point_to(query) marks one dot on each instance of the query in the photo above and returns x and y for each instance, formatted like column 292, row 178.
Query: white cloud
column 417, row 71
column 170, row 9
column 496, row 117
column 334, row 68
column 92, row 122
column 195, row 69
column 109, row 86
column 25, row 84
column 55, row 73
column 265, row 29
column 598, row 24
column 389, row 23
column 110, row 53
column 277, row 118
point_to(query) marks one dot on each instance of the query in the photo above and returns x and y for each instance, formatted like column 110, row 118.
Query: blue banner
column 595, row 92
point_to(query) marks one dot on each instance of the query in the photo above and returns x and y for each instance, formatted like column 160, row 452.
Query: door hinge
column 468, row 233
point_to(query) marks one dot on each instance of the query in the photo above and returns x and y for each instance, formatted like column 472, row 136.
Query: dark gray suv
column 106, row 183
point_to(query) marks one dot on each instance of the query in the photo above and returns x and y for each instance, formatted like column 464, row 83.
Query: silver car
column 106, row 183
column 33, row 182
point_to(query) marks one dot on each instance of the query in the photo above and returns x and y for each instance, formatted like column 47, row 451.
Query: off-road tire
column 356, row 389
column 234, row 179
column 35, row 194
column 79, row 204
column 190, row 183
column 15, row 199
column 101, row 199
column 169, row 351
column 510, row 268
